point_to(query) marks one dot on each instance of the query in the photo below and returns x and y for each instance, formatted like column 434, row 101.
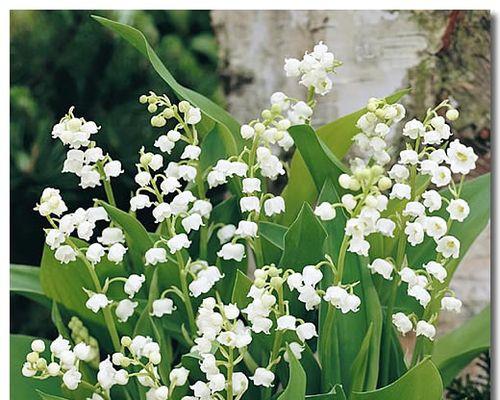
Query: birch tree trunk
column 438, row 53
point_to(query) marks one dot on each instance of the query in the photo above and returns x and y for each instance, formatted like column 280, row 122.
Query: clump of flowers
column 231, row 346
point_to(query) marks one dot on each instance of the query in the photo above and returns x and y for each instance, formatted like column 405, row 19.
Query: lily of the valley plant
column 244, row 293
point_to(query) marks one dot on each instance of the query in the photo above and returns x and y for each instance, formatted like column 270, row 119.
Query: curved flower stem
column 107, row 185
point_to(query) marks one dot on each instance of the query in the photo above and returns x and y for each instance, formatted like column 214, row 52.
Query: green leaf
column 422, row 382
column 271, row 237
column 296, row 388
column 25, row 280
column 26, row 388
column 455, row 350
column 319, row 159
column 45, row 396
column 360, row 365
column 274, row 233
column 336, row 136
column 230, row 127
column 337, row 393
column 303, row 242
column 241, row 287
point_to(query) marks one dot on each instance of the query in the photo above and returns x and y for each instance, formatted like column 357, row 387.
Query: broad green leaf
column 310, row 364
column 397, row 364
column 455, row 350
column 229, row 126
column 360, row 365
column 25, row 280
column 337, row 393
column 337, row 136
column 241, row 287
column 45, row 396
column 342, row 341
column 271, row 237
column 296, row 388
column 319, row 159
column 274, row 233
column 422, row 382
column 303, row 242
column 23, row 388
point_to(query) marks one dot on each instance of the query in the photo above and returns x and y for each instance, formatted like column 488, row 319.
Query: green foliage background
column 64, row 58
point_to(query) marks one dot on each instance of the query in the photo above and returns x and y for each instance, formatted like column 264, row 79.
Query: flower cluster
column 314, row 69
column 91, row 165
column 64, row 361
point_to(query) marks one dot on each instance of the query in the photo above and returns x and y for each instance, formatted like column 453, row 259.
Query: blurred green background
column 64, row 58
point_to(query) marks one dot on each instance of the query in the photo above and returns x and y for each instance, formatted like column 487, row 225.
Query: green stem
column 107, row 184
column 229, row 391
column 203, row 229
column 278, row 338
column 185, row 293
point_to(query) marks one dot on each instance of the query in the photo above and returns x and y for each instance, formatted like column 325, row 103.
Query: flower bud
column 158, row 121
column 259, row 283
column 376, row 171
column 126, row 341
column 372, row 104
column 146, row 159
column 152, row 108
column 143, row 99
column 452, row 114
column 276, row 109
column 168, row 113
column 259, row 127
column 354, row 185
column 32, row 357
column 41, row 364
column 384, row 183
column 277, row 282
column 266, row 114
column 184, row 106
column 273, row 271
column 345, row 181
column 380, row 113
